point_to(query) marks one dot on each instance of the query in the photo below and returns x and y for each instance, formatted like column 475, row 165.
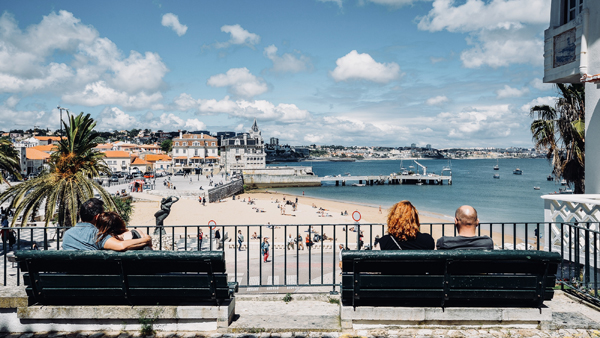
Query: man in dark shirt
column 466, row 222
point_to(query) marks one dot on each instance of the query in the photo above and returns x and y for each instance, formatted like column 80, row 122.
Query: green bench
column 448, row 278
column 125, row 278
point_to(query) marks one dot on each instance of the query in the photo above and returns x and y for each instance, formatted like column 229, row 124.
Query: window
column 123, row 162
column 571, row 8
column 176, row 151
column 196, row 152
column 213, row 144
column 184, row 144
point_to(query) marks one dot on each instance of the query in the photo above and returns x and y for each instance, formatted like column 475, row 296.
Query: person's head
column 341, row 246
column 90, row 209
column 465, row 219
column 403, row 221
column 110, row 223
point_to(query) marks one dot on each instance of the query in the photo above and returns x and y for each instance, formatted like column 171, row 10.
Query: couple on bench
column 100, row 230
column 404, row 231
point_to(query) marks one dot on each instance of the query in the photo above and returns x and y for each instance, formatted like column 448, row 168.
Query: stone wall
column 225, row 190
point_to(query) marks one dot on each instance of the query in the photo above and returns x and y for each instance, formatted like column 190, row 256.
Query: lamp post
column 61, row 120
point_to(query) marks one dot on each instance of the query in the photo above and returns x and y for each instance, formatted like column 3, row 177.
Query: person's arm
column 117, row 245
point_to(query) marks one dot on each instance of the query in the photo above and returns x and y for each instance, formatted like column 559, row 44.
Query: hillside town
column 138, row 151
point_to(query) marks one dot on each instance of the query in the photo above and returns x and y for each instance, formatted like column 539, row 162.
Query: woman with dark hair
column 404, row 230
column 110, row 223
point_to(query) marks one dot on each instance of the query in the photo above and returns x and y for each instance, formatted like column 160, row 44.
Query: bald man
column 466, row 222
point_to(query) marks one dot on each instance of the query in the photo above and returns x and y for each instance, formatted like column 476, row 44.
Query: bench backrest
column 126, row 278
column 448, row 278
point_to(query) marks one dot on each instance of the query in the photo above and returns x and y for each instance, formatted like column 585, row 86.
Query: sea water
column 511, row 198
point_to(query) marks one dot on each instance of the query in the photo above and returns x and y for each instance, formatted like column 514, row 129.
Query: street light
column 61, row 123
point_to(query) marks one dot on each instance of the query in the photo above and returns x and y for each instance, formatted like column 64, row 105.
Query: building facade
column 118, row 160
column 245, row 151
column 572, row 55
column 193, row 150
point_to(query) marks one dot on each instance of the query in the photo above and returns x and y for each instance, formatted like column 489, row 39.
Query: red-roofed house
column 118, row 160
column 140, row 165
column 45, row 140
column 36, row 160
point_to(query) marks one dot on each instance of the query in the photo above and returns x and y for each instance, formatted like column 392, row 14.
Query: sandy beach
column 269, row 208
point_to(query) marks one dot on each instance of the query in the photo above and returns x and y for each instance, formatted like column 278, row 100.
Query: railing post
column 586, row 271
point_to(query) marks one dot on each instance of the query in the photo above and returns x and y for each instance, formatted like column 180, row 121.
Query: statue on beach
column 165, row 210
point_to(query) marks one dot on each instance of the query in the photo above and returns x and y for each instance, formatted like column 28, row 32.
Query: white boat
column 496, row 167
column 358, row 185
column 536, row 188
column 563, row 182
column 496, row 175
column 518, row 171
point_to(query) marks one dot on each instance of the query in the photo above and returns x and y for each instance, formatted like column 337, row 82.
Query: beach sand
column 188, row 211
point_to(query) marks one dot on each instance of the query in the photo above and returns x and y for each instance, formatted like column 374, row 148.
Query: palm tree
column 560, row 132
column 69, row 181
column 9, row 160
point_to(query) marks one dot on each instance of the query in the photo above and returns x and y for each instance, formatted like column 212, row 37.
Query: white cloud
column 114, row 118
column 13, row 118
column 434, row 101
column 508, row 91
column 265, row 110
column 480, row 122
column 97, row 74
column 240, row 82
column 538, row 84
column 286, row 63
column 98, row 93
column 174, row 122
column 540, row 101
column 240, row 128
column 502, row 32
column 185, row 102
column 474, row 15
column 216, row 106
column 239, row 36
column 395, row 3
column 364, row 67
column 312, row 138
column 172, row 20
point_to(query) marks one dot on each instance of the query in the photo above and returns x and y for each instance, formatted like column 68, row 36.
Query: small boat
column 359, row 185
column 496, row 167
column 518, row 171
column 346, row 174
column 419, row 183
column 563, row 182
column 536, row 188
column 550, row 177
column 496, row 175
column 565, row 191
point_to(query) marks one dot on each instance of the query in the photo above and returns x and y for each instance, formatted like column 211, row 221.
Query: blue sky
column 450, row 73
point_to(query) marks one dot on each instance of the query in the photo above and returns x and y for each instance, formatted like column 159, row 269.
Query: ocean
column 508, row 199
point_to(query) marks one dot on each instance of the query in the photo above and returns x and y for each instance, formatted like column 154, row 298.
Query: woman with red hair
column 111, row 223
column 404, row 230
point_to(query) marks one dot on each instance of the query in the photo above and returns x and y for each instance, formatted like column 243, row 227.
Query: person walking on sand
column 264, row 247
column 290, row 242
column 240, row 240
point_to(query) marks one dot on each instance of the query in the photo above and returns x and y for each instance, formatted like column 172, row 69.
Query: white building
column 118, row 160
column 244, row 151
column 193, row 150
column 572, row 55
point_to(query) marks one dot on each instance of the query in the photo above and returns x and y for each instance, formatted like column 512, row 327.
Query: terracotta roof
column 150, row 146
column 116, row 154
column 104, row 146
column 46, row 138
column 139, row 161
column 45, row 148
column 154, row 158
column 181, row 158
column 213, row 157
column 34, row 154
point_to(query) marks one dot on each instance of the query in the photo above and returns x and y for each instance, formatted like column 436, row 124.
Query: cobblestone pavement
column 512, row 333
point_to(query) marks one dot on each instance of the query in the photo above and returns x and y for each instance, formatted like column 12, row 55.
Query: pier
column 279, row 177
column 417, row 179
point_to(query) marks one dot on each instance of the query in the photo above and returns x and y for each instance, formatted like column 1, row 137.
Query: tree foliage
column 166, row 146
column 60, row 191
column 560, row 132
column 9, row 160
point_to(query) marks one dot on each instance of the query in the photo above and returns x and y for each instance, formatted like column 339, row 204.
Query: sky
column 450, row 73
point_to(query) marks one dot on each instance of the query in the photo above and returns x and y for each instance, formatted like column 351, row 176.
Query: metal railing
column 295, row 265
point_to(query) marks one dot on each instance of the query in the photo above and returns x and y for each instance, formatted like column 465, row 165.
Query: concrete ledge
column 92, row 318
column 374, row 317
column 12, row 297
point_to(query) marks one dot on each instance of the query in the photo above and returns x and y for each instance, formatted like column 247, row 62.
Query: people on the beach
column 84, row 235
column 240, row 240
column 309, row 242
column 290, row 242
column 404, row 230
column 111, row 224
column 299, row 243
column 466, row 222
column 264, row 247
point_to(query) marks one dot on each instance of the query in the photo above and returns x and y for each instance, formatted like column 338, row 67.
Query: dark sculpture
column 165, row 210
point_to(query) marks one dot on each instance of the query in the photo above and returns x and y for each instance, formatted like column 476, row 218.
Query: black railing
column 295, row 265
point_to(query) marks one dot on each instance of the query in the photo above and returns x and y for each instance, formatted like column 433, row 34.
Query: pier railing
column 292, row 265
